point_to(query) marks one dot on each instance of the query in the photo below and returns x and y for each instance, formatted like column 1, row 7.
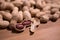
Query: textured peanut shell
column 4, row 24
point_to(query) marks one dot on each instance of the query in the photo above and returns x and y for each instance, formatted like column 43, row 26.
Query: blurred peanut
column 6, row 15
column 27, row 15
column 34, row 24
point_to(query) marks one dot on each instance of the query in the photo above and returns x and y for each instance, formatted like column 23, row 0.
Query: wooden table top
column 48, row 31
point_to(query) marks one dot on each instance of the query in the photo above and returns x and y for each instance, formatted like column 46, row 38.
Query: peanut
column 6, row 15
column 6, row 5
column 44, row 18
column 17, row 3
column 1, row 17
column 40, row 3
column 27, row 15
column 34, row 11
column 34, row 24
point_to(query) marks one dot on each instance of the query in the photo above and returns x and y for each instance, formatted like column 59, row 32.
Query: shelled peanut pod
column 34, row 23
column 21, row 26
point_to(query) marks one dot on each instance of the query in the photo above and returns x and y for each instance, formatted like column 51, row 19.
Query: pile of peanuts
column 19, row 14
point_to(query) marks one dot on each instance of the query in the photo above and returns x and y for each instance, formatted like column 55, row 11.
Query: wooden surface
column 48, row 31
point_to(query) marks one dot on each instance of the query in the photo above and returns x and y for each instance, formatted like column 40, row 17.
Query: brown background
column 48, row 31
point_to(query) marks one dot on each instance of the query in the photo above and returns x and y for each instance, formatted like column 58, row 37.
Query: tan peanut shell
column 46, row 8
column 44, row 18
column 6, row 5
column 12, row 24
column 1, row 17
column 32, row 2
column 40, row 3
column 26, row 8
column 27, row 3
column 34, row 11
column 20, row 14
column 40, row 14
column 4, row 24
column 27, row 15
column 56, row 15
column 17, row 3
column 6, row 15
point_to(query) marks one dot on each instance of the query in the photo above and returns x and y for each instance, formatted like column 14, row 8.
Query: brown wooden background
column 48, row 31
